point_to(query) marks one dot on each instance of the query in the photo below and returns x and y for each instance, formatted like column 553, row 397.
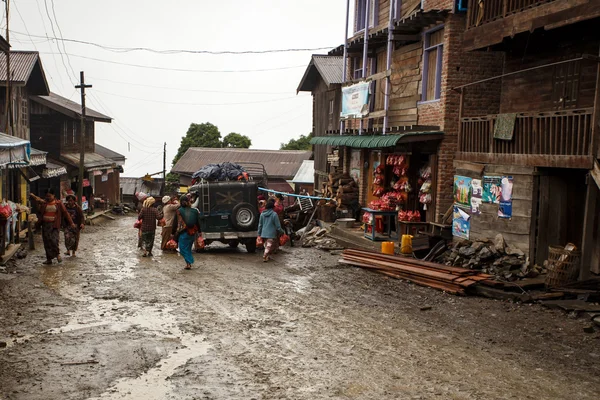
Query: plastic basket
column 563, row 266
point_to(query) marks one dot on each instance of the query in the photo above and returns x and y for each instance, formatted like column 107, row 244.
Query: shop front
column 396, row 179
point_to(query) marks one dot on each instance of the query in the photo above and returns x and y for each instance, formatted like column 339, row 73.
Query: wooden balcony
column 541, row 139
column 497, row 19
column 496, row 9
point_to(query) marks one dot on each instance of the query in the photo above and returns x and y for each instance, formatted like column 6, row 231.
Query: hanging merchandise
column 425, row 189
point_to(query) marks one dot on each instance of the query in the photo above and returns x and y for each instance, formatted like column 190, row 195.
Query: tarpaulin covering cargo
column 221, row 172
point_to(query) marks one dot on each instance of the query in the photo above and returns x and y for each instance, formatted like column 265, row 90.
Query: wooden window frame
column 439, row 62
column 359, row 23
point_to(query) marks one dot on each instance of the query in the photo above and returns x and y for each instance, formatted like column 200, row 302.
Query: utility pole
column 81, row 86
column 164, row 184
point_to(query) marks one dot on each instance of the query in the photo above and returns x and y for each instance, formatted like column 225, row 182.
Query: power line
column 46, row 33
column 183, row 89
column 179, row 51
column 182, row 69
column 61, row 35
column 57, row 44
column 200, row 104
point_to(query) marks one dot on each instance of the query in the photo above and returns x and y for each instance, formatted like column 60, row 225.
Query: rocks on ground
column 317, row 237
column 492, row 257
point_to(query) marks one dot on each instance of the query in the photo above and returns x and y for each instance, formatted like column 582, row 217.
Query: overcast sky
column 155, row 103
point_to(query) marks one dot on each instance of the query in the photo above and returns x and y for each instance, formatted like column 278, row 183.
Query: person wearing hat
column 170, row 206
column 72, row 232
column 149, row 216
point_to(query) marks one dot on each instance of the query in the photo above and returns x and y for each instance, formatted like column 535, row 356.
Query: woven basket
column 563, row 266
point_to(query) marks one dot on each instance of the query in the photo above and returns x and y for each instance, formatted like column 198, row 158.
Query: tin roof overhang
column 375, row 141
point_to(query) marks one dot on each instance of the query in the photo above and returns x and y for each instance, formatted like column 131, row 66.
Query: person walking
column 72, row 233
column 53, row 213
column 149, row 215
column 185, row 228
column 170, row 206
column 269, row 229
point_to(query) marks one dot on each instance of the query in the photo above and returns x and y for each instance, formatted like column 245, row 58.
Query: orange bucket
column 387, row 248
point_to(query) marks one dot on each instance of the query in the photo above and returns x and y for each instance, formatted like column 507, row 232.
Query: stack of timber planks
column 343, row 188
column 453, row 280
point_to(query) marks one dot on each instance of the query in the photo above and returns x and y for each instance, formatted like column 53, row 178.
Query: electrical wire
column 181, row 69
column 46, row 33
column 58, row 45
column 61, row 36
column 176, row 51
column 199, row 104
column 182, row 89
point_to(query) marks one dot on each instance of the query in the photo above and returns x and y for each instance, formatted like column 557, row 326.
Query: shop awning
column 37, row 157
column 14, row 151
column 53, row 169
column 375, row 141
column 92, row 161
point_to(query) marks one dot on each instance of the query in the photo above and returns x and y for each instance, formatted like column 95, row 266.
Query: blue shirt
column 268, row 224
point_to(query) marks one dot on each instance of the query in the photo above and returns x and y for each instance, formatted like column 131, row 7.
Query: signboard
column 355, row 100
column 104, row 178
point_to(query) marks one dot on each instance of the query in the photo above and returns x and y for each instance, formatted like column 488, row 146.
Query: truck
column 229, row 209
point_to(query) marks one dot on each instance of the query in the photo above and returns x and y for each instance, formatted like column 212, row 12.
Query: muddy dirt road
column 113, row 325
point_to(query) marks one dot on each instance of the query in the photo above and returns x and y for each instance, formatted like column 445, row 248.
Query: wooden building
column 323, row 78
column 27, row 79
column 535, row 118
column 56, row 129
column 410, row 53
column 107, row 186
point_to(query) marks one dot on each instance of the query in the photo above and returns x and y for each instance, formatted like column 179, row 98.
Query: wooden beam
column 469, row 166
column 408, row 38
column 587, row 242
column 529, row 160
column 595, row 173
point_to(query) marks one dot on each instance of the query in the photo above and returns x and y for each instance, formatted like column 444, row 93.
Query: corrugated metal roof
column 278, row 163
column 22, row 64
column 92, row 161
column 108, row 153
column 69, row 107
column 132, row 185
column 330, row 69
column 8, row 141
column 306, row 173
column 371, row 141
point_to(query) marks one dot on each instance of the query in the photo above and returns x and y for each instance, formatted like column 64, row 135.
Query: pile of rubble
column 494, row 258
column 317, row 237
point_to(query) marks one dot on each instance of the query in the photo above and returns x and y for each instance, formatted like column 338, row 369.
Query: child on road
column 268, row 228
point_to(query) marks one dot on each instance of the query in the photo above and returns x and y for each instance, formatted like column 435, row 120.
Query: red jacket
column 61, row 213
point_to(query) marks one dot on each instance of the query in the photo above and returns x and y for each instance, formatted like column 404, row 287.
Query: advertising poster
column 491, row 189
column 461, row 223
column 104, row 178
column 355, row 100
column 505, row 207
column 355, row 166
column 462, row 191
column 476, row 196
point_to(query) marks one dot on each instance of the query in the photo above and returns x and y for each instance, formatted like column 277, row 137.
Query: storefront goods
column 449, row 279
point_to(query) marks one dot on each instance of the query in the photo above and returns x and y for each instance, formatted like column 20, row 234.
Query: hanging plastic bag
column 171, row 245
column 283, row 239
column 161, row 222
column 137, row 224
column 200, row 243
column 260, row 243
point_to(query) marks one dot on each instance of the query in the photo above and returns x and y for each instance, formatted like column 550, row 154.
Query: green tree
column 199, row 135
column 237, row 140
column 302, row 143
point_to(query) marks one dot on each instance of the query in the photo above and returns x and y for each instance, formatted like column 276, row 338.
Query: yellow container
column 406, row 244
column 387, row 248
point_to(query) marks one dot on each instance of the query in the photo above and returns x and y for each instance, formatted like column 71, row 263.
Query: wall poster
column 462, row 191
column 355, row 165
column 476, row 196
column 461, row 223
column 491, row 189
column 505, row 207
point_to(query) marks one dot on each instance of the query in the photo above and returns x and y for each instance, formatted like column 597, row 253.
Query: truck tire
column 251, row 246
column 244, row 217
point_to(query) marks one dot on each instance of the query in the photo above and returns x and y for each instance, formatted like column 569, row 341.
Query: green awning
column 374, row 141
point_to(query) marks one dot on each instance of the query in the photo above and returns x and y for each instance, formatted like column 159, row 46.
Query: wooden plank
column 469, row 166
column 595, row 173
column 532, row 160
column 588, row 230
